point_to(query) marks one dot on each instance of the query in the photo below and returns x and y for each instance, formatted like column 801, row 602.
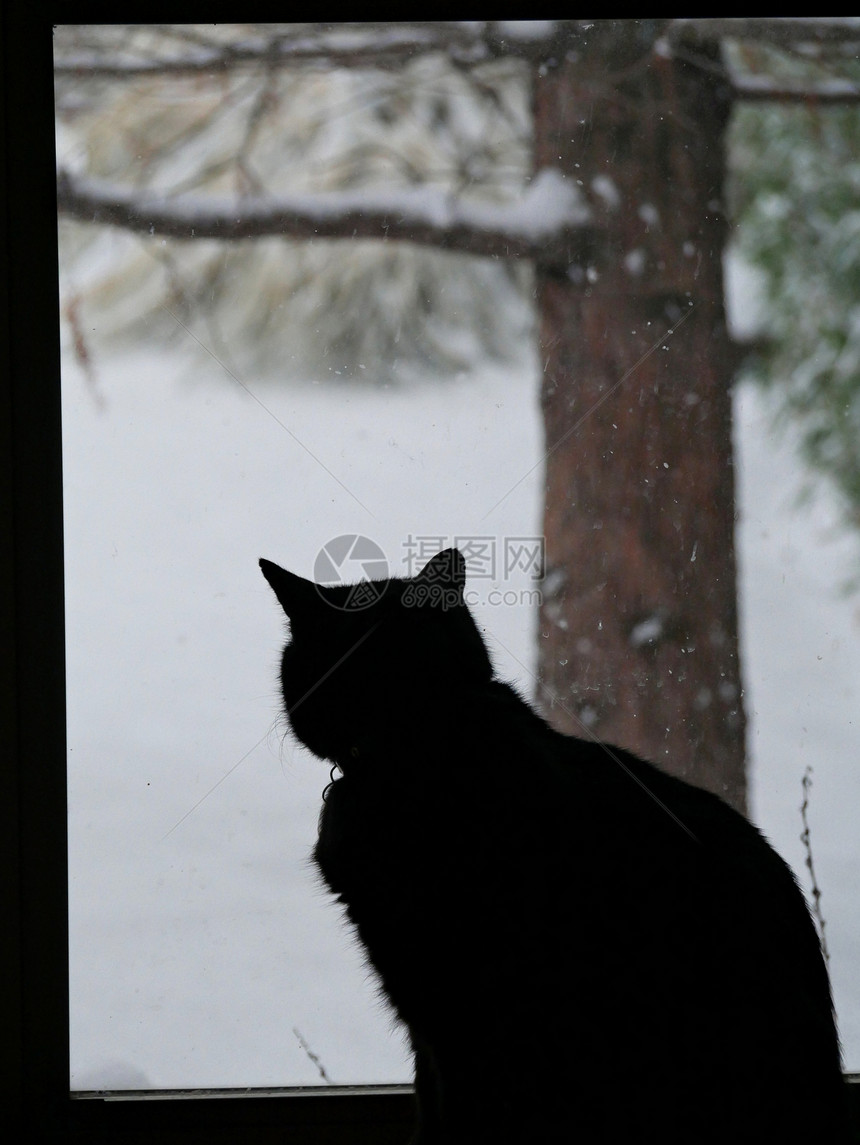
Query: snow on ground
column 200, row 940
column 200, row 943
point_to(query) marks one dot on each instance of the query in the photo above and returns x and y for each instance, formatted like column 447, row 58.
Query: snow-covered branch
column 778, row 31
column 808, row 38
column 343, row 45
column 390, row 45
column 550, row 222
column 371, row 46
column 764, row 89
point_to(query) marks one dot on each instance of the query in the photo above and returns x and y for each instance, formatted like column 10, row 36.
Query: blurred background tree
column 795, row 204
column 251, row 112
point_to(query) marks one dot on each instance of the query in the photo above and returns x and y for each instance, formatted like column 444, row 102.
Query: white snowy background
column 200, row 939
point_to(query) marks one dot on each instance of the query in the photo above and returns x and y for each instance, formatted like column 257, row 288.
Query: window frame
column 34, row 970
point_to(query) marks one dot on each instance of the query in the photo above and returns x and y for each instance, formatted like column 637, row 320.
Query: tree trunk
column 638, row 628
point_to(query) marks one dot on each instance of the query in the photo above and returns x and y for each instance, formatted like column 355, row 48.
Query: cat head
column 371, row 665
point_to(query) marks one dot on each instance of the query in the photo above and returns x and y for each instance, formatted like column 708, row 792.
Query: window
column 36, row 595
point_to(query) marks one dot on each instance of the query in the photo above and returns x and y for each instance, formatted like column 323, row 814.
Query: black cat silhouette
column 582, row 947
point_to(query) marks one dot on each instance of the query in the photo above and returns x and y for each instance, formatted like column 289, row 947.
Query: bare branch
column 386, row 46
column 313, row 1057
column 809, row 38
column 806, row 839
column 365, row 45
column 345, row 45
column 761, row 89
column 549, row 223
column 775, row 30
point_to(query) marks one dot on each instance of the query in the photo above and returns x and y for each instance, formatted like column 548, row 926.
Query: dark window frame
column 34, row 982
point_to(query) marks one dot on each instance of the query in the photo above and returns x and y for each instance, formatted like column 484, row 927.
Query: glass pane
column 226, row 401
column 200, row 937
column 203, row 950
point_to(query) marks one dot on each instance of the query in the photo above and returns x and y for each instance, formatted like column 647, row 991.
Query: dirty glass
column 308, row 285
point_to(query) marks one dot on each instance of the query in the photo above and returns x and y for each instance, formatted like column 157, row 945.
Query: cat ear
column 296, row 595
column 446, row 568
